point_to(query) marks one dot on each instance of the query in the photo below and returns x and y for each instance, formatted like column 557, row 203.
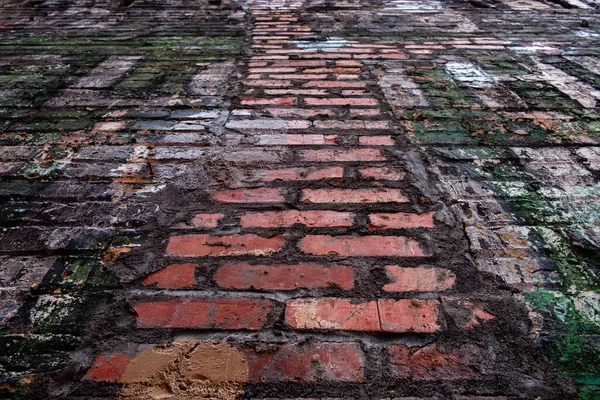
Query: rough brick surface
column 203, row 314
column 279, row 219
column 367, row 246
column 174, row 276
column 299, row 199
column 284, row 277
column 418, row 279
column 308, row 363
column 217, row 246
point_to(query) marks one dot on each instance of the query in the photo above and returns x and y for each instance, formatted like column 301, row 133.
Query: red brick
column 419, row 279
column 307, row 363
column 174, row 276
column 299, row 64
column 432, row 362
column 376, row 140
column 282, row 219
column 203, row 221
column 259, row 195
column 401, row 220
column 331, row 70
column 356, row 246
column 296, row 140
column 348, row 50
column 218, row 246
column 342, row 155
column 313, row 101
column 300, row 174
column 276, row 101
column 346, row 77
column 328, row 56
column 284, row 277
column 332, row 314
column 369, row 125
column 419, row 316
column 108, row 368
column 268, row 83
column 303, row 92
column 385, row 173
column 270, row 70
column 203, row 314
column 389, row 56
column 354, row 92
column 376, row 195
column 296, row 76
column 344, row 63
column 287, row 51
column 334, row 84
column 299, row 112
column 364, row 111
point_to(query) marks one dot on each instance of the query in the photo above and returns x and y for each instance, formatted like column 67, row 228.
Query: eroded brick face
column 299, row 199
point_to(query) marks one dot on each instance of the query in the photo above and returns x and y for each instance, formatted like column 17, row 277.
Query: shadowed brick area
column 299, row 199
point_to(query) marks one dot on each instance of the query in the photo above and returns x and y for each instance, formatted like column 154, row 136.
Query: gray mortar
column 518, row 371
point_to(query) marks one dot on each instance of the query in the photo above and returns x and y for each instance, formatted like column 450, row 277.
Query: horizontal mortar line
column 139, row 295
column 331, row 336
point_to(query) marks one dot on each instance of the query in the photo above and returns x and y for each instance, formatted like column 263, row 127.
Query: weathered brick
column 299, row 112
column 276, row 101
column 385, row 173
column 334, row 84
column 376, row 140
column 332, row 314
column 174, row 276
column 203, row 220
column 324, row 56
column 345, row 63
column 376, row 195
column 270, row 70
column 195, row 313
column 354, row 92
column 365, row 112
column 331, row 70
column 302, row 92
column 282, row 219
column 342, row 155
column 108, row 368
column 419, row 316
column 219, row 246
column 299, row 64
column 313, row 101
column 296, row 140
column 418, row 279
column 258, row 195
column 348, row 125
column 432, row 362
column 284, row 276
column 307, row 363
column 401, row 220
column 300, row 174
column 356, row 246
column 268, row 82
column 297, row 76
column 267, row 124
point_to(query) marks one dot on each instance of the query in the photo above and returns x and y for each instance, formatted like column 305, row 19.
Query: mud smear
column 186, row 370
